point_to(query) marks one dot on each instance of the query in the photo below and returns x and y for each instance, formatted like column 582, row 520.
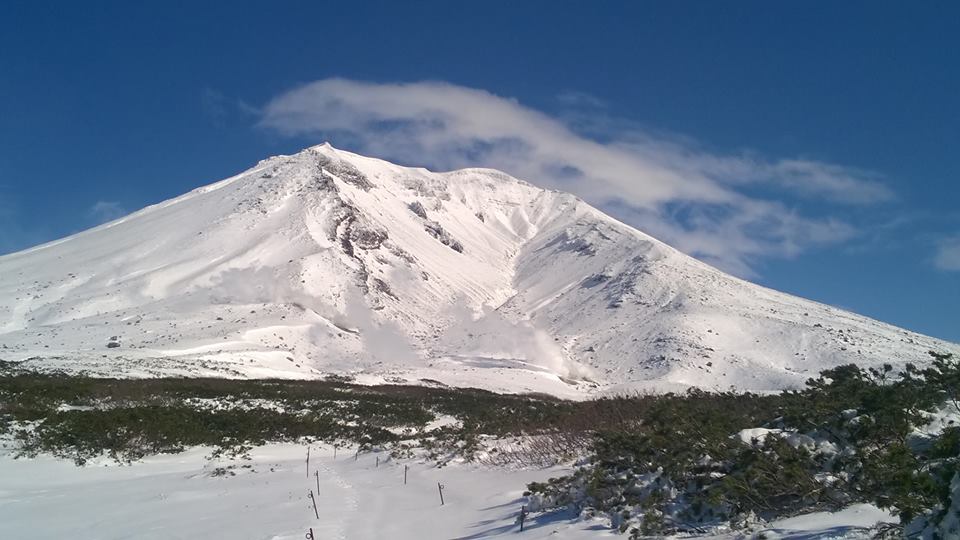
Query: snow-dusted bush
column 702, row 460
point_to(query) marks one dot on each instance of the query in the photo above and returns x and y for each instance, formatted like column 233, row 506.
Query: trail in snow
column 338, row 501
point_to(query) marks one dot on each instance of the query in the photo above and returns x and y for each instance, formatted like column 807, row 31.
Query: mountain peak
column 331, row 262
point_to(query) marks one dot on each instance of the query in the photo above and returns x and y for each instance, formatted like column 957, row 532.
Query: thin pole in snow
column 309, row 535
column 357, row 455
column 308, row 462
column 317, row 474
column 334, row 451
column 523, row 516
column 405, row 474
column 440, row 488
column 378, row 461
column 314, row 500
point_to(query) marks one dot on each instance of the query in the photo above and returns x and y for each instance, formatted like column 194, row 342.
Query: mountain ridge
column 328, row 262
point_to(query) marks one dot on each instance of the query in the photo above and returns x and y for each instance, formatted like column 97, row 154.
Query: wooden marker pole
column 440, row 488
column 405, row 474
column 317, row 474
column 314, row 500
column 308, row 462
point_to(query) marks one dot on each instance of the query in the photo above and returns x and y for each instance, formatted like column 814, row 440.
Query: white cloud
column 948, row 255
column 104, row 211
column 695, row 199
column 574, row 98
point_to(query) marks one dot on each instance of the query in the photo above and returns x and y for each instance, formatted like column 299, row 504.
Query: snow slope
column 329, row 262
column 266, row 497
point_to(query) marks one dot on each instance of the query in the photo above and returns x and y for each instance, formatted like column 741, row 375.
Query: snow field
column 182, row 497
column 191, row 496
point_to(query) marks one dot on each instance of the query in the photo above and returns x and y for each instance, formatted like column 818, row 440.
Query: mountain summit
column 327, row 262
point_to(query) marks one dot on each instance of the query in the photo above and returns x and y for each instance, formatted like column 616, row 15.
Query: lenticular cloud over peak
column 697, row 200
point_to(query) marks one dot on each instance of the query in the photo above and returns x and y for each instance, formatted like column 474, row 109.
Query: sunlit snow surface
column 328, row 262
column 266, row 497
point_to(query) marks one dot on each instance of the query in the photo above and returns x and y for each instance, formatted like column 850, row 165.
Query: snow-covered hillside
column 329, row 262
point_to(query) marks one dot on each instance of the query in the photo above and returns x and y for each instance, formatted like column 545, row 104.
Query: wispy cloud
column 575, row 98
column 217, row 106
column 104, row 211
column 948, row 254
column 702, row 202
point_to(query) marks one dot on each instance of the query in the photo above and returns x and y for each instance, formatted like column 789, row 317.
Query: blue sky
column 809, row 147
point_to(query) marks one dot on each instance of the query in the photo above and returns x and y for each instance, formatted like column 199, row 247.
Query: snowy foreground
column 188, row 496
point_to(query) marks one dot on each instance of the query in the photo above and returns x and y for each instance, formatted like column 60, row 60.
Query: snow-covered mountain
column 329, row 262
